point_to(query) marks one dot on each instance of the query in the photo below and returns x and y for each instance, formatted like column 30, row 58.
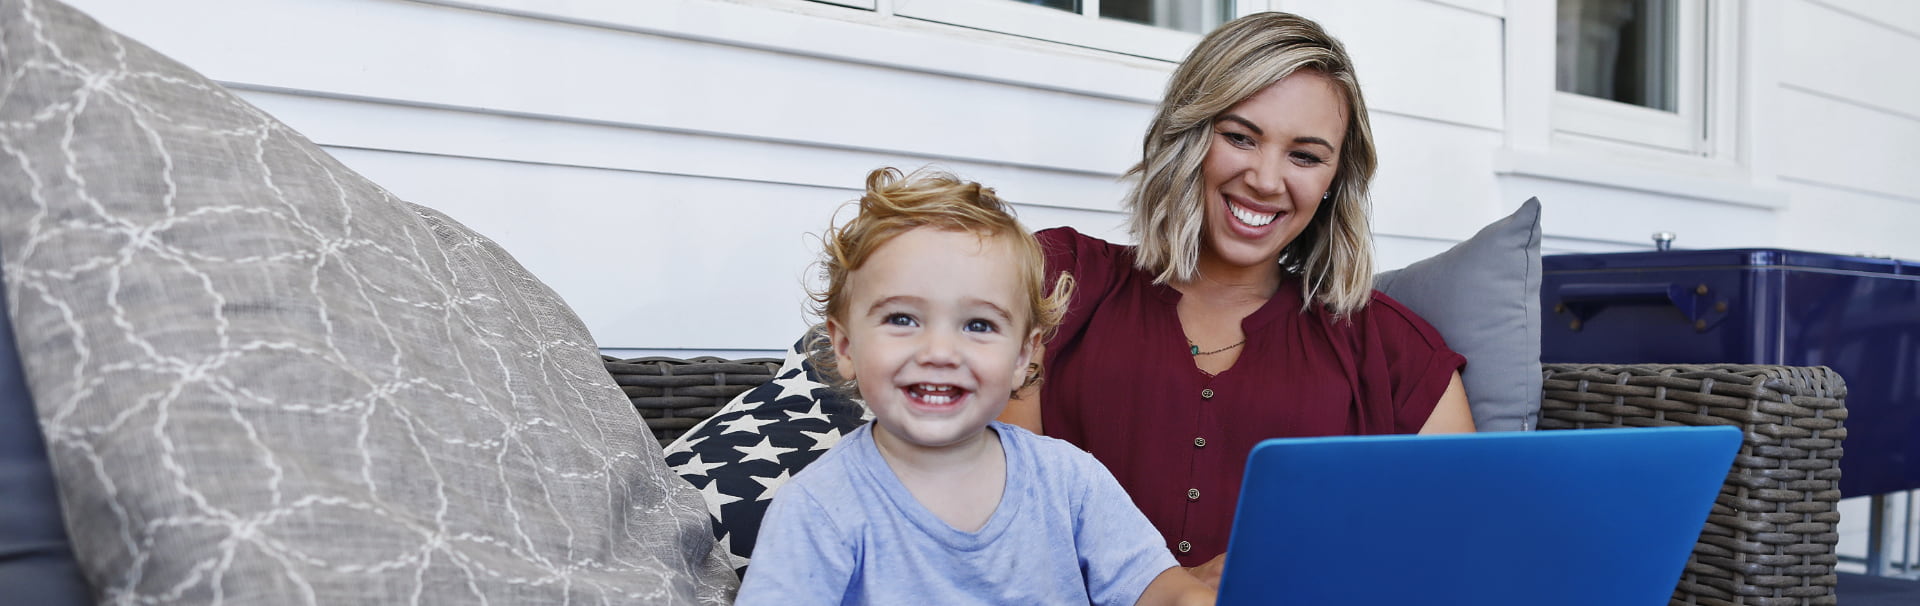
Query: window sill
column 1690, row 177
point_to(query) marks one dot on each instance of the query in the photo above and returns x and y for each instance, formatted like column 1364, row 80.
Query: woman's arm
column 1451, row 416
column 1177, row 588
column 1024, row 409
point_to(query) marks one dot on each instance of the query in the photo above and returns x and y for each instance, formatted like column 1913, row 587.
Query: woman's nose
column 1267, row 176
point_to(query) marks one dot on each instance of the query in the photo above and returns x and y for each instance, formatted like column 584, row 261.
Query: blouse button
column 1199, row 442
column 1185, row 547
column 1193, row 494
column 1206, row 394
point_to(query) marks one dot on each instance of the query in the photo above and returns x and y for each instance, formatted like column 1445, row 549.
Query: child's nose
column 938, row 349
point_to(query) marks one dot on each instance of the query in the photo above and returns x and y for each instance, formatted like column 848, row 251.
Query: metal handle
column 1585, row 300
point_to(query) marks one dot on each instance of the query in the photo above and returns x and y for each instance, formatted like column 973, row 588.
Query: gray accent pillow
column 1483, row 295
column 264, row 380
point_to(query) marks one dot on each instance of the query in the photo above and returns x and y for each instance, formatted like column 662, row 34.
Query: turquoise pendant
column 1194, row 350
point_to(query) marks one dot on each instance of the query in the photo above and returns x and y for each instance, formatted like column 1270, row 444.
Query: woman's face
column 1270, row 159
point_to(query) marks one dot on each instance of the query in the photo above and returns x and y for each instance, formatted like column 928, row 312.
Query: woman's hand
column 1209, row 572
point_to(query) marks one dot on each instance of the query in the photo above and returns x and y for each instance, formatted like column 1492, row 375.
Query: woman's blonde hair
column 1334, row 254
column 895, row 204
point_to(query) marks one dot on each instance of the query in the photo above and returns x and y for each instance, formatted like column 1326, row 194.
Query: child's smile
column 936, row 336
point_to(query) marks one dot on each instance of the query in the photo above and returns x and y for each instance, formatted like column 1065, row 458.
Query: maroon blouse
column 1121, row 384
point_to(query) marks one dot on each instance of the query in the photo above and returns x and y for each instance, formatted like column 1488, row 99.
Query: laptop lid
column 1602, row 517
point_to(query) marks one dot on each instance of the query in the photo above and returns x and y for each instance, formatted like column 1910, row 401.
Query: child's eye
column 899, row 320
column 977, row 325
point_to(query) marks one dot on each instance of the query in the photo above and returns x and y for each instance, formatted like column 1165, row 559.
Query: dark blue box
column 1858, row 315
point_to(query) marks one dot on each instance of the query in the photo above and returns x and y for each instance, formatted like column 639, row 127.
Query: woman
column 1247, row 310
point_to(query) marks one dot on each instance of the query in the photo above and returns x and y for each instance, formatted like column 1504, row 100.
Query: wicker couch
column 1769, row 540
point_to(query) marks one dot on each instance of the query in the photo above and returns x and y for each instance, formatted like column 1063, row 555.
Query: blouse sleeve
column 1068, row 251
column 1420, row 366
column 1091, row 262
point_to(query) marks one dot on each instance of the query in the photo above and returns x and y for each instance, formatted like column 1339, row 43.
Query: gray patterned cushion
column 1483, row 295
column 264, row 380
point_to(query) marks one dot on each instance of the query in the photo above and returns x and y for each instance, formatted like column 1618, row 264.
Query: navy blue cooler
column 1858, row 315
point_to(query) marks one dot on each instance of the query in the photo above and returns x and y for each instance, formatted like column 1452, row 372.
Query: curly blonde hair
column 1334, row 254
column 896, row 203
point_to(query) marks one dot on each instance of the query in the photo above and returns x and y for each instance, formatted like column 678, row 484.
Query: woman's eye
column 1307, row 158
column 979, row 326
column 899, row 320
column 1238, row 139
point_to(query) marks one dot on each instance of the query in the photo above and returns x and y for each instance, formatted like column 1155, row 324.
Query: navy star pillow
column 745, row 452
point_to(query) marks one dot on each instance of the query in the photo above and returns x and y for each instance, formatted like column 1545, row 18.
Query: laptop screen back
column 1592, row 517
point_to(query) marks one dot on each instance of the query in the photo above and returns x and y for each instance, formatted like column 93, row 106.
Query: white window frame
column 1086, row 30
column 1706, row 100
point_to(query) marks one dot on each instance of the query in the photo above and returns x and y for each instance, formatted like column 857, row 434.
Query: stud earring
column 1327, row 196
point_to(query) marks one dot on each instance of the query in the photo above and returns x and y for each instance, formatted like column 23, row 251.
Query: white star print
column 797, row 386
column 745, row 423
column 764, row 451
column 794, row 362
column 815, row 413
column 695, row 466
column 772, row 484
column 823, row 440
column 683, row 445
column 714, row 498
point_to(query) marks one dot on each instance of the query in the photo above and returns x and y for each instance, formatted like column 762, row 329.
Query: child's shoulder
column 1049, row 455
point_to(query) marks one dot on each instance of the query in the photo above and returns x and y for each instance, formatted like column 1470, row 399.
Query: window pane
column 1197, row 16
column 1623, row 50
column 1065, row 5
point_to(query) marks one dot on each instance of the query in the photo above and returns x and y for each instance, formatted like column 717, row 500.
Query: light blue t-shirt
column 846, row 531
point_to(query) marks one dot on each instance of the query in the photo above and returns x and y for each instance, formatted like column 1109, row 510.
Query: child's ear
column 842, row 345
column 1028, row 347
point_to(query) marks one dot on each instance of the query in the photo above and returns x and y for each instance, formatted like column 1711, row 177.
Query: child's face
column 936, row 333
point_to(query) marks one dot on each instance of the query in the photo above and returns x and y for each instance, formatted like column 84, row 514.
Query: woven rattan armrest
column 1770, row 538
column 673, row 395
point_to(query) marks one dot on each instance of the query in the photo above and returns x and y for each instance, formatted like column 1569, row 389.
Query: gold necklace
column 1195, row 349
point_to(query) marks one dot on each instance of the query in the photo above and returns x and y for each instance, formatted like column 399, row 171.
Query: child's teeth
column 1249, row 217
column 935, row 394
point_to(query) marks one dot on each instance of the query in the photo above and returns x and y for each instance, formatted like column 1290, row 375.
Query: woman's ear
column 842, row 345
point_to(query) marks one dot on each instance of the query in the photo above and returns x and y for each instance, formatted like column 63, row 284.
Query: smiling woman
column 1247, row 310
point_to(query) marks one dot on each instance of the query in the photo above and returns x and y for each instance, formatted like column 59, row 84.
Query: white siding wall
column 666, row 159
column 661, row 162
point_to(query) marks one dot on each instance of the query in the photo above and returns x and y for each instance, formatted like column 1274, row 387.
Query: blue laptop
column 1601, row 517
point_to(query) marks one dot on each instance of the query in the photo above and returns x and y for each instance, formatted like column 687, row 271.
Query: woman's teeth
column 1249, row 217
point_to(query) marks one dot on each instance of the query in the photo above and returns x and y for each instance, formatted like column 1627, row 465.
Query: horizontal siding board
column 1849, row 58
column 1613, row 216
column 652, row 260
column 450, row 132
column 1455, row 73
column 1833, row 220
column 1900, row 15
column 1494, row 8
column 1435, row 179
column 472, row 59
column 1824, row 140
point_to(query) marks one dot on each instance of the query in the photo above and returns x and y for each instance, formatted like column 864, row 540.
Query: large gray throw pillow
column 1483, row 295
column 263, row 380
